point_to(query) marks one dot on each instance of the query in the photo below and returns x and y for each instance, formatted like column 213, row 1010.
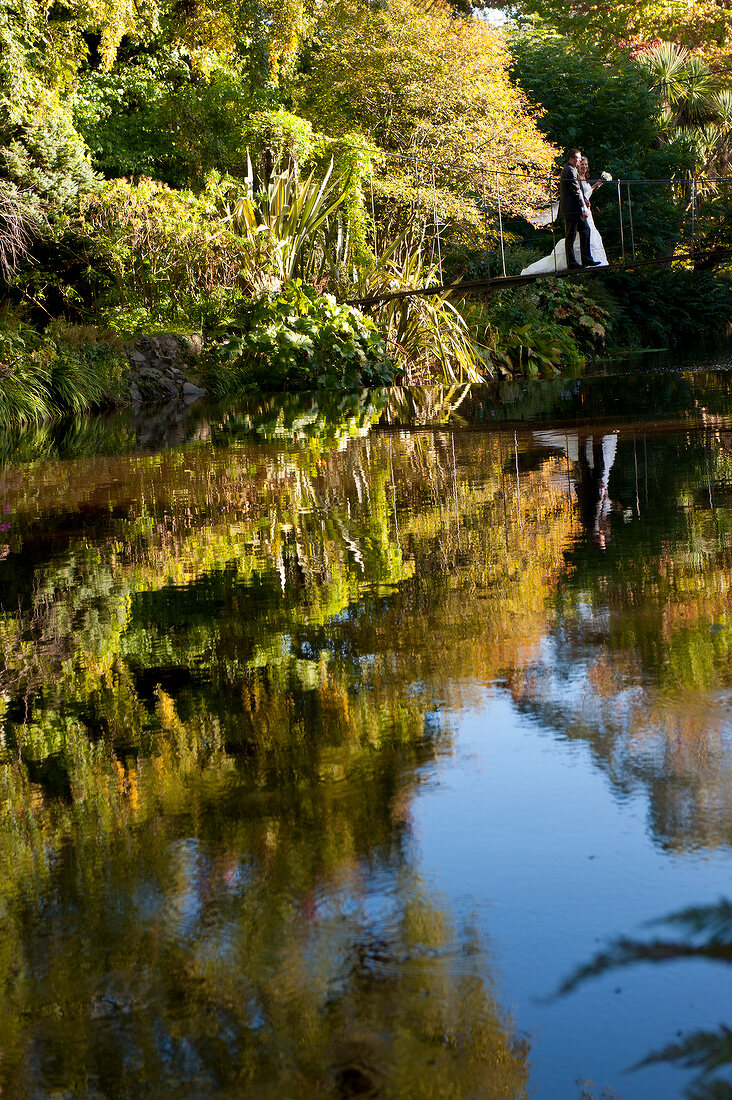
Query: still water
column 335, row 736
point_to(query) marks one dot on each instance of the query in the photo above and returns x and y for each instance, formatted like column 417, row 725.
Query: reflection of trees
column 200, row 755
column 229, row 936
column 221, row 670
column 393, row 559
column 639, row 657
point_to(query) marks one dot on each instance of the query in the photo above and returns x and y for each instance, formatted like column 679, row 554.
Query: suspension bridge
column 643, row 222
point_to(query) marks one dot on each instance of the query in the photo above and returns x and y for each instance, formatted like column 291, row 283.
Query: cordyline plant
column 292, row 226
column 426, row 335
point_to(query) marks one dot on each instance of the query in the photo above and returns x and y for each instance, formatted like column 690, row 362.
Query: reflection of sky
column 672, row 741
column 526, row 837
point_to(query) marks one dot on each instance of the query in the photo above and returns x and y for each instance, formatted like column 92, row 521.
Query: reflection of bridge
column 643, row 222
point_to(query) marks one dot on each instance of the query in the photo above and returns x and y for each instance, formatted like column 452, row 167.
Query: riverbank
column 296, row 339
column 76, row 369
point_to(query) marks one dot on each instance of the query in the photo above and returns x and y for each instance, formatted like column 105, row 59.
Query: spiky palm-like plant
column 426, row 335
column 291, row 225
column 694, row 103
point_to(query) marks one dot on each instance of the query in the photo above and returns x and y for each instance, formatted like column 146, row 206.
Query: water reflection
column 227, row 669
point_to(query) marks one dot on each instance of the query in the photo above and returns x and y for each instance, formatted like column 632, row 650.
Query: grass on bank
column 66, row 370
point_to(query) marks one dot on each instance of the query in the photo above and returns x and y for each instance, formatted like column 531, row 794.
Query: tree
column 705, row 25
column 589, row 105
column 427, row 87
column 586, row 104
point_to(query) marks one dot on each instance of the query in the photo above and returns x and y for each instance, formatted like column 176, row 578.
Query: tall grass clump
column 57, row 373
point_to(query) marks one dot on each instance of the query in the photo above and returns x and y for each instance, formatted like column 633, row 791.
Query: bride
column 557, row 261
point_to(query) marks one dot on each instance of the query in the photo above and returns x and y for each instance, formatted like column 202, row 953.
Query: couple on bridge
column 582, row 243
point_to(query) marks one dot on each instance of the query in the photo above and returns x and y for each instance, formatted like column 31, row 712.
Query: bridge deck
column 506, row 281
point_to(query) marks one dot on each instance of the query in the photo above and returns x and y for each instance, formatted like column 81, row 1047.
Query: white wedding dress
column 557, row 260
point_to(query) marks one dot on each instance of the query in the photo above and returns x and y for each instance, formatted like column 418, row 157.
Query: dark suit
column 571, row 204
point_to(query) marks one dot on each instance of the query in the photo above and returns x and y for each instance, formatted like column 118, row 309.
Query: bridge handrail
column 474, row 170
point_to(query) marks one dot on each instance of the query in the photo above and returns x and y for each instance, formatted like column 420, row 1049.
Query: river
column 338, row 734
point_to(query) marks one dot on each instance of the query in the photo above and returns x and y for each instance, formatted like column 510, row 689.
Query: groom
column 575, row 211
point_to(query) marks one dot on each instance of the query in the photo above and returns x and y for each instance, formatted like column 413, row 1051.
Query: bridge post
column 500, row 225
column 620, row 213
column 630, row 217
column 551, row 223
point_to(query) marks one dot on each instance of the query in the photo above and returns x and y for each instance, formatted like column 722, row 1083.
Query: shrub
column 298, row 340
column 291, row 226
column 571, row 306
column 524, row 331
column 170, row 257
column 669, row 307
column 539, row 351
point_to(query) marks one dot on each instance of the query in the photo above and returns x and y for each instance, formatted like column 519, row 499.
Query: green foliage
column 352, row 157
column 541, row 350
column 531, row 351
column 695, row 105
column 572, row 306
column 60, row 372
column 539, row 330
column 278, row 140
column 159, row 115
column 669, row 307
column 298, row 340
column 291, row 226
column 46, row 157
column 586, row 102
column 170, row 257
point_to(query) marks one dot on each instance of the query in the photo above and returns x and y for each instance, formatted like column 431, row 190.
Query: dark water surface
column 334, row 736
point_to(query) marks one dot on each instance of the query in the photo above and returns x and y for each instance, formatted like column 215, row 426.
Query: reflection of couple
column 582, row 242
column 595, row 461
column 593, row 458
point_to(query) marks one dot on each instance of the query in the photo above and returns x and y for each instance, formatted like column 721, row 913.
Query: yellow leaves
column 167, row 713
column 113, row 20
column 117, row 18
column 423, row 83
column 126, row 784
column 701, row 25
column 287, row 25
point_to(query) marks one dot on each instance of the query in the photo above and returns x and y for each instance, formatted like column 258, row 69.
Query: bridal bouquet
column 605, row 176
